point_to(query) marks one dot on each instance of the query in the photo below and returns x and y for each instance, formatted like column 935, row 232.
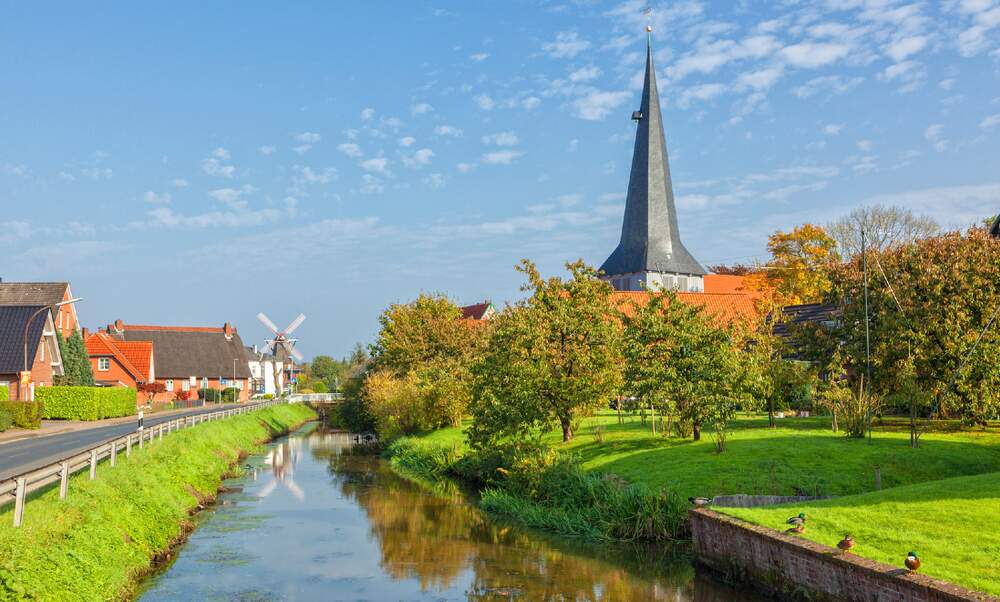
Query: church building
column 650, row 255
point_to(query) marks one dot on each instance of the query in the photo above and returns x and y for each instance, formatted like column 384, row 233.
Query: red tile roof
column 724, row 308
column 475, row 312
column 134, row 356
column 725, row 283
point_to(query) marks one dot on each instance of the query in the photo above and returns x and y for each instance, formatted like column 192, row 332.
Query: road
column 18, row 457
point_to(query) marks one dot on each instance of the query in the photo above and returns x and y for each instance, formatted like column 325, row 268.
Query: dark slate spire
column 650, row 239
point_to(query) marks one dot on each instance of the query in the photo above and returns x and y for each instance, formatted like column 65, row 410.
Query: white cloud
column 833, row 129
column 530, row 102
column 213, row 167
column 832, row 84
column 65, row 175
column 701, row 92
column 464, row 167
column 585, row 74
column 231, row 196
column 267, row 149
column 419, row 158
column 434, row 180
column 421, row 108
column 485, row 102
column 598, row 104
column 367, row 113
column 573, row 145
column 810, row 55
column 371, row 185
column 307, row 175
column 93, row 173
column 501, row 139
column 566, row 45
column 504, row 157
column 479, row 57
column 407, row 141
column 308, row 137
column 990, row 121
column 901, row 48
column 15, row 169
column 350, row 149
column 448, row 130
column 221, row 154
column 165, row 216
column 378, row 165
column 935, row 134
column 865, row 145
column 156, row 199
column 761, row 79
column 302, row 148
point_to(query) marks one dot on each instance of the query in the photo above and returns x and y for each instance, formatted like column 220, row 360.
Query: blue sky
column 191, row 164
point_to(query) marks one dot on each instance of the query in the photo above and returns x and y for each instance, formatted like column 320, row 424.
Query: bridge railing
column 316, row 397
column 16, row 489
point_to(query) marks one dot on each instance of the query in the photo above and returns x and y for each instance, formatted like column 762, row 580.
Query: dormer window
column 103, row 364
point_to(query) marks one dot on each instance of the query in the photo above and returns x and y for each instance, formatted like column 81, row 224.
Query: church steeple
column 650, row 250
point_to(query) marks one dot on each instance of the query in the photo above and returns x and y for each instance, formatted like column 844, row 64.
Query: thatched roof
column 181, row 352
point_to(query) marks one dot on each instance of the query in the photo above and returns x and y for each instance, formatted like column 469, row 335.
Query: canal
column 317, row 519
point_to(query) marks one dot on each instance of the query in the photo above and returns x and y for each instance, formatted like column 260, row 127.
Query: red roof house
column 118, row 363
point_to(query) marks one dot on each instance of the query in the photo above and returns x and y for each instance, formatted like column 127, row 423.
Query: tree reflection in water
column 443, row 541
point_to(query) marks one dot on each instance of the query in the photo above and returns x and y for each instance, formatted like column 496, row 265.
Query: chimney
column 119, row 326
column 228, row 329
column 85, row 333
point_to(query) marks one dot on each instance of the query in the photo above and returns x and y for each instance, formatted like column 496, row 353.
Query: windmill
column 281, row 346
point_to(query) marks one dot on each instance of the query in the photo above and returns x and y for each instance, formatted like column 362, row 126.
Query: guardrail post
column 161, row 432
column 93, row 464
column 128, row 445
column 141, row 437
column 19, row 501
column 63, row 480
column 114, row 452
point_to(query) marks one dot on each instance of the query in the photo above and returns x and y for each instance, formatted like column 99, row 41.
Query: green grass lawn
column 950, row 523
column 802, row 453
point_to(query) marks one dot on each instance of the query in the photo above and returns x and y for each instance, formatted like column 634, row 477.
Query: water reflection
column 324, row 522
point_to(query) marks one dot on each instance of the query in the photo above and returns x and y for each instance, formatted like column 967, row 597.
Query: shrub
column 6, row 419
column 24, row 414
column 86, row 403
column 230, row 395
column 182, row 395
column 210, row 395
column 4, row 393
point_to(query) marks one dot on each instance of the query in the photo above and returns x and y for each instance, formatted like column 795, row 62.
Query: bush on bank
column 101, row 540
column 549, row 490
column 86, row 403
column 23, row 414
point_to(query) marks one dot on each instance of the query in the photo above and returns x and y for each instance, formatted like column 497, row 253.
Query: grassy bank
column 949, row 523
column 801, row 455
column 97, row 543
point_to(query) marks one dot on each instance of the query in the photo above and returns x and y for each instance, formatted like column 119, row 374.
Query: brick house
column 44, row 359
column 44, row 293
column 188, row 358
column 118, row 363
column 479, row 311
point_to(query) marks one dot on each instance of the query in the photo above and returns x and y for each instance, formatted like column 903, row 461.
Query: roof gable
column 133, row 356
column 32, row 293
column 12, row 321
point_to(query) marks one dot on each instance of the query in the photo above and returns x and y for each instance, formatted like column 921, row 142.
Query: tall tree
column 76, row 362
column 884, row 227
column 551, row 358
column 328, row 370
column 798, row 271
column 677, row 359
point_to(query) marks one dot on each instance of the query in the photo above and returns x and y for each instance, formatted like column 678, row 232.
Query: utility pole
column 866, row 389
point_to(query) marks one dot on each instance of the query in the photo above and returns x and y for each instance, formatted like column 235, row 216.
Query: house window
column 194, row 381
column 103, row 364
column 204, row 382
column 41, row 351
column 170, row 384
column 60, row 318
column 185, row 385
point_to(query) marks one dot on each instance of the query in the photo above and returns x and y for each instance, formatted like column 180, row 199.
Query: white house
column 264, row 370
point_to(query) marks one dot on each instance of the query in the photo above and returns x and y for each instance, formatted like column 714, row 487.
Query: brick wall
column 791, row 567
column 115, row 372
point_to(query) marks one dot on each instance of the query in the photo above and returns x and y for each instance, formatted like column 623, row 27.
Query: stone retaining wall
column 793, row 568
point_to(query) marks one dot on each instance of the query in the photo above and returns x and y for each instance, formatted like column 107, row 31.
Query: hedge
column 86, row 403
column 23, row 414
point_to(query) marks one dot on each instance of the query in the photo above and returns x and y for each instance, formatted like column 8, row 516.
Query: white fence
column 16, row 488
column 316, row 397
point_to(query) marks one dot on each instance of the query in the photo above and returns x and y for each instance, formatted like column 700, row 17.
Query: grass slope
column 950, row 523
column 803, row 453
column 98, row 542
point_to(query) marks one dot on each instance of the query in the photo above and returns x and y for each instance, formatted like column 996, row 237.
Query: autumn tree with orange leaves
column 799, row 268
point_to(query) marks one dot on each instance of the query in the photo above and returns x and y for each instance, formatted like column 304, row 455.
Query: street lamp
column 26, row 325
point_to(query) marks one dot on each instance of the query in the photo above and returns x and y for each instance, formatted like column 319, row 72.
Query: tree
column 76, row 362
column 677, row 359
column 150, row 390
column 798, row 271
column 354, row 411
column 884, row 227
column 328, row 370
column 551, row 358
column 319, row 386
column 737, row 269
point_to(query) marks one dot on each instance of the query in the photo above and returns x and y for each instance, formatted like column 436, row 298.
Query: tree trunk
column 696, row 429
column 835, row 425
column 567, row 429
column 770, row 412
column 620, row 420
column 913, row 423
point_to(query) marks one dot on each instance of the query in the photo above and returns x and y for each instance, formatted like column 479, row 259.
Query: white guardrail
column 16, row 488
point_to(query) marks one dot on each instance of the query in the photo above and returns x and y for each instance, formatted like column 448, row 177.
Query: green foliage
column 319, row 386
column 100, row 541
column 230, row 395
column 210, row 395
column 4, row 393
column 676, row 359
column 86, row 403
column 551, row 358
column 328, row 370
column 77, row 371
column 6, row 418
column 24, row 414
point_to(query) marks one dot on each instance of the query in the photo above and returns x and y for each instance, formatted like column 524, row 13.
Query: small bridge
column 316, row 398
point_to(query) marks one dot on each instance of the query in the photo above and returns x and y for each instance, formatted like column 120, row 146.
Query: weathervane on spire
column 648, row 11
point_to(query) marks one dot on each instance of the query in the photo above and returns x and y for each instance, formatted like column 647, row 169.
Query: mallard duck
column 846, row 544
column 912, row 562
column 799, row 528
column 797, row 520
column 699, row 502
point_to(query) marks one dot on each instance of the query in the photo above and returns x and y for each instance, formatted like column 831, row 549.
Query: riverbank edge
column 111, row 533
column 433, row 465
column 788, row 567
